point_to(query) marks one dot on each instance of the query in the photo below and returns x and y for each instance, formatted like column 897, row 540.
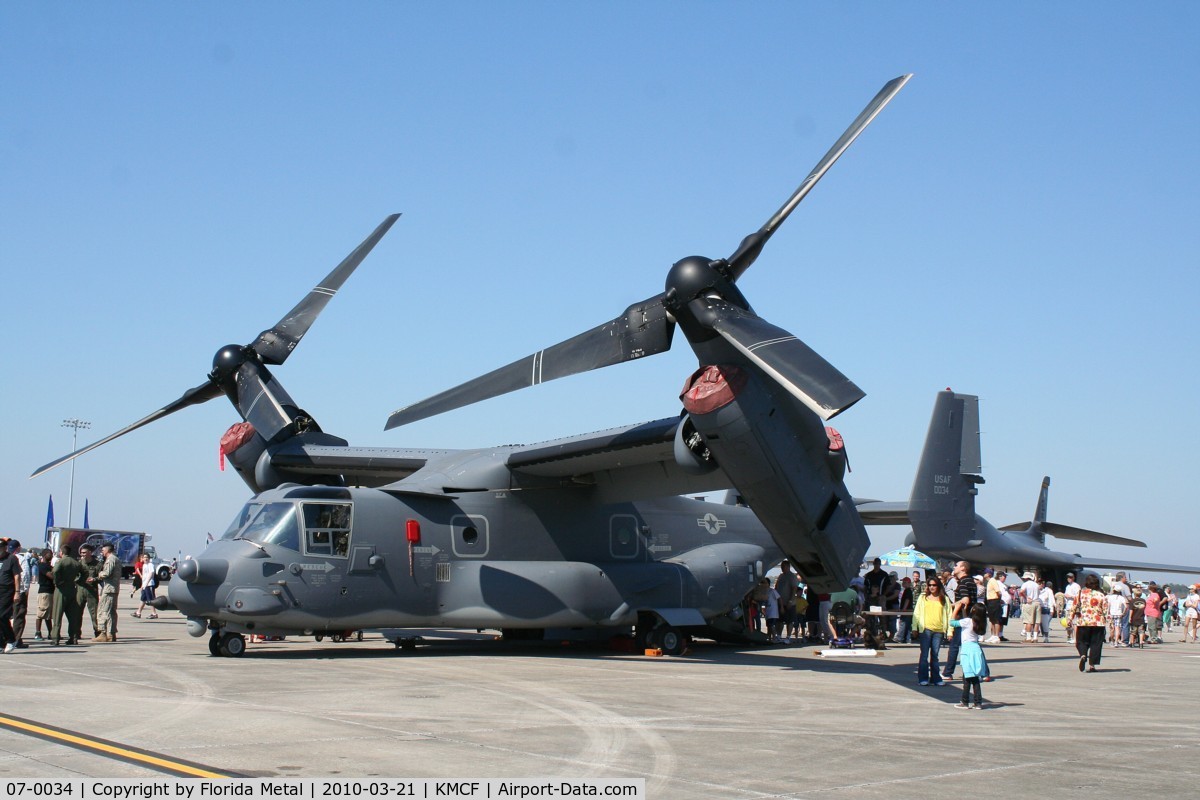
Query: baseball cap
column 1028, row 576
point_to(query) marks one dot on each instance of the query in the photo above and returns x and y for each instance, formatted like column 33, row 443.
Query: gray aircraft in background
column 583, row 532
column 941, row 508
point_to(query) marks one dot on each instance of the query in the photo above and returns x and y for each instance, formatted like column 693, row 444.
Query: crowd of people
column 963, row 611
column 67, row 588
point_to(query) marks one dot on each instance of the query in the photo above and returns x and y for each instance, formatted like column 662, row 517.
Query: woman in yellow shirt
column 931, row 622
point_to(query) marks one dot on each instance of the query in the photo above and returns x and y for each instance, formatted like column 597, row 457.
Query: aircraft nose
column 203, row 571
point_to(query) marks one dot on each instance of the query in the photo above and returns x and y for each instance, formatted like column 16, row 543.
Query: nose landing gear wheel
column 232, row 644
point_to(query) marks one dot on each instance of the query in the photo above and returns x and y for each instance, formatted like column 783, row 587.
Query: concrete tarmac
column 719, row 722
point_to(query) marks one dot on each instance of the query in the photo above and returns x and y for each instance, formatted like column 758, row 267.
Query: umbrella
column 908, row 558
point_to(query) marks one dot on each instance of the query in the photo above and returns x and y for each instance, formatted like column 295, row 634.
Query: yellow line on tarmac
column 155, row 761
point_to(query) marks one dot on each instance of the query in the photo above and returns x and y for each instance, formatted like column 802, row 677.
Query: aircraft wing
column 1101, row 563
column 361, row 466
column 1077, row 534
column 629, row 463
column 874, row 512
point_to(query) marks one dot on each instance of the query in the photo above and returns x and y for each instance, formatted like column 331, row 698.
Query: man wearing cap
column 110, row 586
column 10, row 573
column 1031, row 607
column 89, row 584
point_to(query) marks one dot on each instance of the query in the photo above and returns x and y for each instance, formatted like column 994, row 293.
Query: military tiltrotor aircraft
column 584, row 532
column 941, row 508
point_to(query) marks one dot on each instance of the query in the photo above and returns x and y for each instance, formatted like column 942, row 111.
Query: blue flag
column 50, row 514
column 85, row 521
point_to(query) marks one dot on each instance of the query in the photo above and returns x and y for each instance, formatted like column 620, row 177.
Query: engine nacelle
column 691, row 453
column 778, row 455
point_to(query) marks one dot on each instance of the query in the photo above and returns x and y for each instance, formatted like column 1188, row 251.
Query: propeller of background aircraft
column 702, row 298
column 238, row 371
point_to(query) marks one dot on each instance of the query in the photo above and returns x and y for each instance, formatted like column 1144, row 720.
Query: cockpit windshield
column 270, row 523
column 244, row 515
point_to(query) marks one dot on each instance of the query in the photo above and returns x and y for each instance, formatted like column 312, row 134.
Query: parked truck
column 128, row 547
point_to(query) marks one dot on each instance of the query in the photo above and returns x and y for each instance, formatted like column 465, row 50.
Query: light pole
column 75, row 425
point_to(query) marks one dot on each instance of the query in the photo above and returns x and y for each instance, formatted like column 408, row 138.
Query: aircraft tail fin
column 942, row 504
column 1039, row 514
column 1037, row 528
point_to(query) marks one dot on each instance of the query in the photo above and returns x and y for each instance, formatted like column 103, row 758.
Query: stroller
column 843, row 618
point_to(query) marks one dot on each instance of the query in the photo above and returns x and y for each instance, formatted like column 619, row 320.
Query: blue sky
column 1020, row 223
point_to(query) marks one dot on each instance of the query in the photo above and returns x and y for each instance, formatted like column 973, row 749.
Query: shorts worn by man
column 994, row 604
column 1031, row 607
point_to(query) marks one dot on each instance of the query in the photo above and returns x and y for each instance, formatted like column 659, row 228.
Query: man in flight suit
column 110, row 587
column 67, row 575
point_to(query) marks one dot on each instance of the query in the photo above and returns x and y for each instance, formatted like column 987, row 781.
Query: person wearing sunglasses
column 931, row 621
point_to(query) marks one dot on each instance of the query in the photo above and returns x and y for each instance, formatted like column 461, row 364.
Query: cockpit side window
column 327, row 529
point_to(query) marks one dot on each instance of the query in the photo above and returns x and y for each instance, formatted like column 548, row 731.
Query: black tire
column 164, row 574
column 214, row 644
column 319, row 637
column 233, row 645
column 673, row 641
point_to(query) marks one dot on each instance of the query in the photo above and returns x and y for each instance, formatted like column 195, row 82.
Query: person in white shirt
column 773, row 614
column 1117, row 606
column 1046, row 599
column 1122, row 586
column 1191, row 614
column 1031, row 607
column 1071, row 593
column 1007, row 599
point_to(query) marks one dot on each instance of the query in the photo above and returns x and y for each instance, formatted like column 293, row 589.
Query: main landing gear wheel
column 232, row 645
column 670, row 640
column 214, row 644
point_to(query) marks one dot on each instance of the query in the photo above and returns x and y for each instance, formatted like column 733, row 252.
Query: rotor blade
column 200, row 394
column 788, row 361
column 643, row 330
column 752, row 245
column 275, row 344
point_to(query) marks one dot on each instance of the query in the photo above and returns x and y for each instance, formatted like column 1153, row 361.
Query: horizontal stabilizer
column 1076, row 534
column 1100, row 563
column 874, row 512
